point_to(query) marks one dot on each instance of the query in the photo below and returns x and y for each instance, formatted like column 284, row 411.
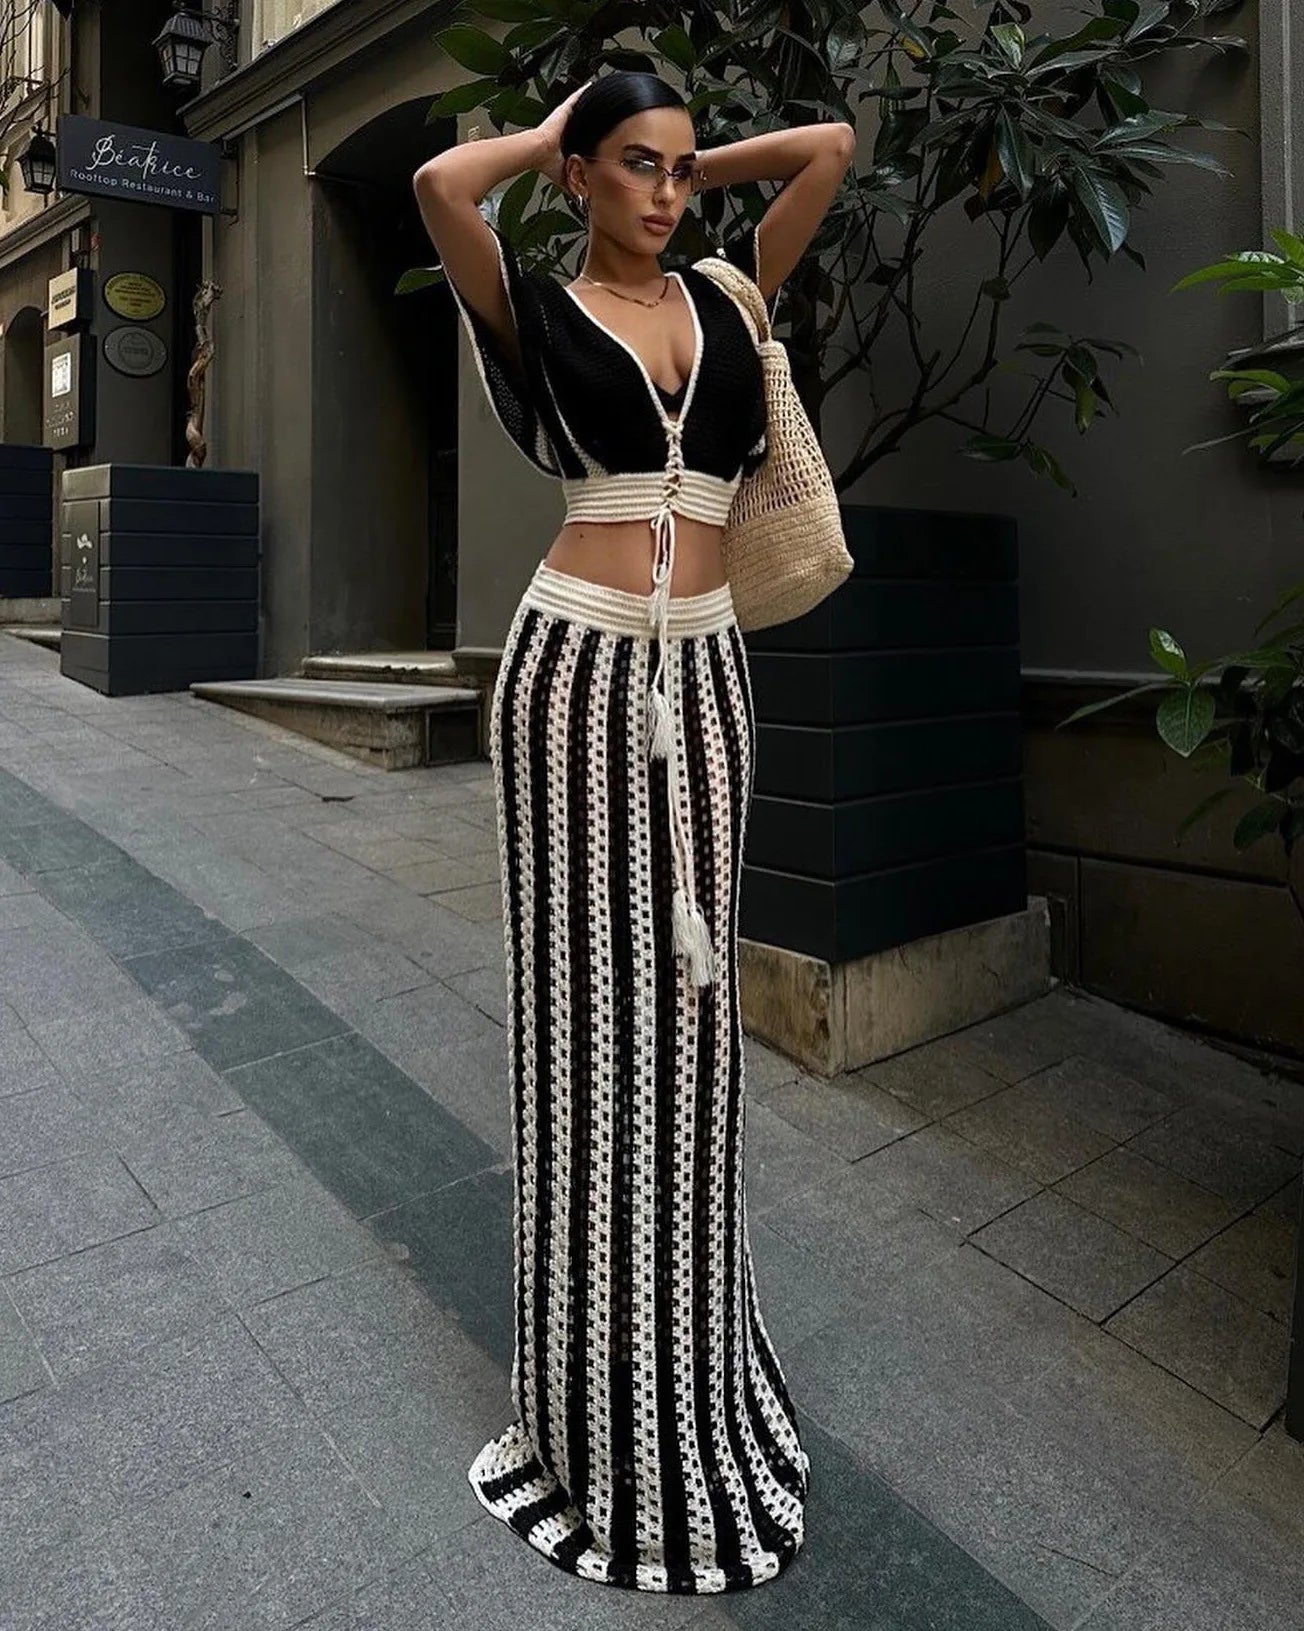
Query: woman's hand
column 550, row 131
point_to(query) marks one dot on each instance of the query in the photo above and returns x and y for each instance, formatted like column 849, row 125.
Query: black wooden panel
column 810, row 761
column 161, row 482
column 135, row 617
column 888, row 541
column 851, row 688
column 26, row 479
column 873, row 615
column 25, row 583
column 167, row 591
column 857, row 916
column 164, row 583
column 175, row 549
column 861, row 835
column 139, row 656
column 131, row 683
column 178, row 515
column 16, row 456
column 26, row 520
column 28, row 557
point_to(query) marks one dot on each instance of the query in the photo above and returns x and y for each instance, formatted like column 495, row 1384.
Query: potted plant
column 888, row 800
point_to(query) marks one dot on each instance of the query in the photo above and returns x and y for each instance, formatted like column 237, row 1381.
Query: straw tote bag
column 783, row 545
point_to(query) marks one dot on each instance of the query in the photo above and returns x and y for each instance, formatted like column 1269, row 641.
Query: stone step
column 40, row 634
column 395, row 667
column 392, row 726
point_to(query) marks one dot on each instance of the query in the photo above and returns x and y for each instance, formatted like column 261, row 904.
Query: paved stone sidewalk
column 1028, row 1283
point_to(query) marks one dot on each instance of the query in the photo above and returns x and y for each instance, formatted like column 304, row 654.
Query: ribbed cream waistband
column 618, row 611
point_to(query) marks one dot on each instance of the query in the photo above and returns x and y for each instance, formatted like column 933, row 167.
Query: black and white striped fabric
column 654, row 1444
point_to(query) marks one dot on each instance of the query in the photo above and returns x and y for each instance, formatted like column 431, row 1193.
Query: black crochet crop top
column 588, row 414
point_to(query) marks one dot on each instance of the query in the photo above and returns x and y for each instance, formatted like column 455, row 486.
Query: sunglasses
column 644, row 174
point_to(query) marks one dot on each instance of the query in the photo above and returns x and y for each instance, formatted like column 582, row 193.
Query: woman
column 654, row 1444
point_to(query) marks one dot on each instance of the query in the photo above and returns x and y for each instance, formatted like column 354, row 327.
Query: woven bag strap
column 734, row 281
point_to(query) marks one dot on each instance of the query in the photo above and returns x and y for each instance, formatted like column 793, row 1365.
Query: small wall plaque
column 135, row 351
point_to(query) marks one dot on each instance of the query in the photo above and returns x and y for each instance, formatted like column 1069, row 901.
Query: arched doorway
column 21, row 373
column 386, row 372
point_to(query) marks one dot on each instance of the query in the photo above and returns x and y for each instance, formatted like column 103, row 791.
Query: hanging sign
column 113, row 160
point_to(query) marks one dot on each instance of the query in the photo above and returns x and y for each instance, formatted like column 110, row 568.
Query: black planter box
column 26, row 521
column 889, row 795
column 160, row 582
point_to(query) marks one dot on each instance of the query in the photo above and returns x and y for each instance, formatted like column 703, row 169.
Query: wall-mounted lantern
column 38, row 163
column 187, row 34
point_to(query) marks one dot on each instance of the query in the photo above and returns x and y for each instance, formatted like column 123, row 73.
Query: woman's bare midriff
column 618, row 554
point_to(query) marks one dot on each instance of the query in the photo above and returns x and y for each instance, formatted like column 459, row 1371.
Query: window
column 22, row 49
column 274, row 19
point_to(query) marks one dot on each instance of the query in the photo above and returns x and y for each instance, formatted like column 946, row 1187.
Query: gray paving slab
column 1030, row 1132
column 259, row 1542
column 402, row 1599
column 1029, row 1505
column 368, row 1341
column 849, row 1114
column 780, row 1162
column 22, row 1369
column 485, row 987
column 1217, row 1568
column 187, row 1158
column 444, row 873
column 797, row 1296
column 765, row 1069
column 364, row 1127
column 1138, row 1423
column 12, row 882
column 858, row 1235
column 936, row 1077
column 23, row 1066
column 131, row 1432
column 47, row 1212
column 946, row 1177
column 339, row 962
column 111, row 1299
column 1073, row 1254
column 415, row 1025
column 44, row 1126
column 235, row 1004
column 457, row 1242
column 1152, row 1202
column 1210, row 1149
column 468, row 1082
column 441, row 941
column 1210, row 1338
column 1255, row 1257
column 1100, row 1095
column 274, row 1240
column 129, row 1099
column 1016, row 1043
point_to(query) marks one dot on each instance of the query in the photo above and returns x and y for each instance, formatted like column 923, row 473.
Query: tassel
column 660, row 602
column 660, row 726
column 693, row 937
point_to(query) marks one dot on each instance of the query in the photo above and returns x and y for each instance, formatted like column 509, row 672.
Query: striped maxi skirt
column 654, row 1444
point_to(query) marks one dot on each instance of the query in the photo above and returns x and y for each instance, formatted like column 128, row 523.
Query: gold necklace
column 636, row 298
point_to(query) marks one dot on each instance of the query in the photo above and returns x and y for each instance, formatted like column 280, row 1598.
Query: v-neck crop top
column 587, row 413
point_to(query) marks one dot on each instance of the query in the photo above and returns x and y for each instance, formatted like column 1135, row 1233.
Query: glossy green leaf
column 1185, row 718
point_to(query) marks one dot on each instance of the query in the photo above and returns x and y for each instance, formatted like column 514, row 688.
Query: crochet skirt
column 654, row 1444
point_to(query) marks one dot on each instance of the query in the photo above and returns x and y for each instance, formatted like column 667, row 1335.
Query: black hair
column 608, row 100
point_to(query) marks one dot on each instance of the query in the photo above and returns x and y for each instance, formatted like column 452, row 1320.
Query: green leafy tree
column 1043, row 140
